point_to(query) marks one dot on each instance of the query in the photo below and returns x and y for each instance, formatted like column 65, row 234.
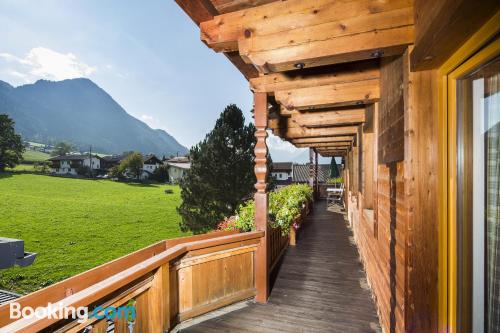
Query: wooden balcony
column 320, row 287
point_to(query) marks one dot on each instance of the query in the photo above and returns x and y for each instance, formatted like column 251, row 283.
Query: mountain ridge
column 79, row 111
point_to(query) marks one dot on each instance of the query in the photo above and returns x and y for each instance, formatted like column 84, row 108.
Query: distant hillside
column 82, row 113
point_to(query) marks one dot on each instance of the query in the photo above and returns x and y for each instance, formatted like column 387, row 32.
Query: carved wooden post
column 311, row 168
column 316, row 184
column 261, row 197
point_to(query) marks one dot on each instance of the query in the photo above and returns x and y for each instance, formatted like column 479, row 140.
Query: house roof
column 179, row 165
column 282, row 166
column 75, row 157
column 301, row 173
column 150, row 158
column 113, row 158
column 178, row 159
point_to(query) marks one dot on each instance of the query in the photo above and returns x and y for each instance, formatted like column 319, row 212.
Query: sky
column 146, row 54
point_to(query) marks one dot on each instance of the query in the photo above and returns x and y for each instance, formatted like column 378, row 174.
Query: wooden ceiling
column 317, row 60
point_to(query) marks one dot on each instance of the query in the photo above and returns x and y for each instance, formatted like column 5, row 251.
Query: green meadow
column 77, row 224
column 35, row 156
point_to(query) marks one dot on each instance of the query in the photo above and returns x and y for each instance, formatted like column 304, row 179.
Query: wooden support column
column 316, row 184
column 261, row 197
column 311, row 168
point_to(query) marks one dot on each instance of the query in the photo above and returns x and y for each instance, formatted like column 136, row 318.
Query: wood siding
column 384, row 256
column 421, row 192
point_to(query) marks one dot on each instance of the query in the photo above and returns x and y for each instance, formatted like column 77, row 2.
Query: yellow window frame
column 478, row 50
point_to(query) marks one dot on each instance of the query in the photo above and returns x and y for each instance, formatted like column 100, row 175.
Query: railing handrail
column 112, row 283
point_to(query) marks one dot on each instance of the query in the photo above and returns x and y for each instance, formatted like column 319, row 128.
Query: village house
column 150, row 163
column 71, row 164
column 177, row 168
column 282, row 173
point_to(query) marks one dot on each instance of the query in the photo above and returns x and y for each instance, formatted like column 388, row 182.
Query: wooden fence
column 166, row 283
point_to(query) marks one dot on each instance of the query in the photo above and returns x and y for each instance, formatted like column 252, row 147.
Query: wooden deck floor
column 320, row 287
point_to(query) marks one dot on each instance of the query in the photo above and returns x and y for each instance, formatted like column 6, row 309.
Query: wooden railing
column 278, row 243
column 168, row 282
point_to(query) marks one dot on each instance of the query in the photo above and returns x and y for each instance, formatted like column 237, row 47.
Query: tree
column 11, row 145
column 161, row 174
column 221, row 174
column 132, row 164
column 62, row 148
column 334, row 169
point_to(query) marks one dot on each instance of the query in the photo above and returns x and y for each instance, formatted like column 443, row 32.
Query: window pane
column 478, row 198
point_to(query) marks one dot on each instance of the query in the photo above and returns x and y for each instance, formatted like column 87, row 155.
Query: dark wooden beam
column 198, row 10
column 228, row 6
column 248, row 70
column 441, row 27
column 347, row 138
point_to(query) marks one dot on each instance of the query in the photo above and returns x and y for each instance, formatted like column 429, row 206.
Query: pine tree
column 221, row 176
column 334, row 169
column 11, row 145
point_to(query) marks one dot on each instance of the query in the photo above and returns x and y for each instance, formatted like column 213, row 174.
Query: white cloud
column 276, row 143
column 44, row 63
column 150, row 121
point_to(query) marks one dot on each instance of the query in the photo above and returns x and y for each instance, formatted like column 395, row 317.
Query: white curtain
column 492, row 108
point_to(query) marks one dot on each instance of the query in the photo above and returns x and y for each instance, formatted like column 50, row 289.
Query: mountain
column 80, row 112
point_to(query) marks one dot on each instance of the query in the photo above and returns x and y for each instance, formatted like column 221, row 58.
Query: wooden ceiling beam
column 223, row 32
column 326, row 150
column 319, row 45
column 340, row 94
column 332, row 117
column 317, row 76
column 301, row 133
column 346, row 138
column 332, row 153
column 337, row 145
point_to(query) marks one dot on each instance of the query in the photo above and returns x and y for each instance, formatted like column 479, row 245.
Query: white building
column 282, row 172
column 70, row 164
column 177, row 168
column 150, row 163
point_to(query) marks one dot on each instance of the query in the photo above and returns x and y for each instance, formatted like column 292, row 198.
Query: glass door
column 478, row 198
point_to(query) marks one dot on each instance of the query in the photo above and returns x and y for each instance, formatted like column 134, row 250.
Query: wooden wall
column 383, row 251
column 421, row 191
column 399, row 245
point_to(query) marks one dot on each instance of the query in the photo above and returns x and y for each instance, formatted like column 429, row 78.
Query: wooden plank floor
column 321, row 287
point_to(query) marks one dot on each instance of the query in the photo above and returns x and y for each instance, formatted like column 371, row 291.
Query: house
column 109, row 161
column 177, row 168
column 407, row 93
column 71, row 164
column 150, row 163
column 282, row 173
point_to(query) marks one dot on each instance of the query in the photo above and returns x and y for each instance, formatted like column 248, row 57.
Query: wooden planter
column 306, row 210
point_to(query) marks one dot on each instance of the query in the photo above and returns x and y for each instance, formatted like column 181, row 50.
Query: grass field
column 35, row 156
column 23, row 167
column 76, row 224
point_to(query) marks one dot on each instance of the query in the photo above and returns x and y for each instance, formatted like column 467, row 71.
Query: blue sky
column 146, row 54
